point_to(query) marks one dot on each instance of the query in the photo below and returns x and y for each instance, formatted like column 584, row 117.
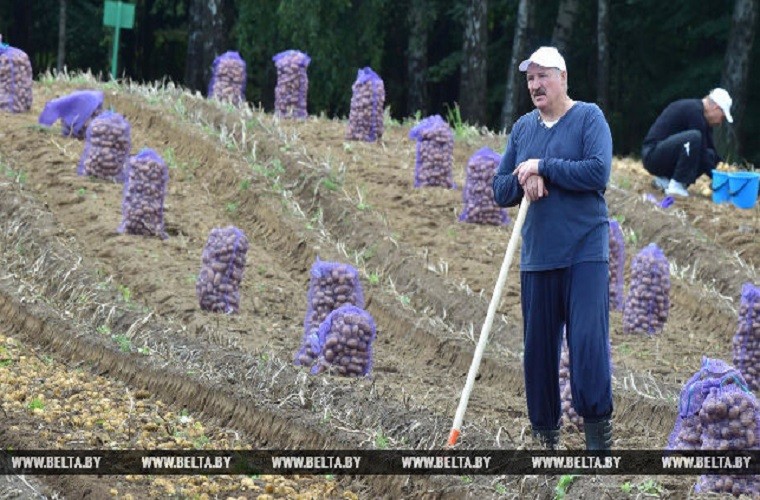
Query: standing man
column 679, row 146
column 559, row 155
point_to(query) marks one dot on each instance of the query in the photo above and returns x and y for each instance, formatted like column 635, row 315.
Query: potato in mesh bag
column 479, row 206
column 345, row 342
column 331, row 285
column 142, row 207
column 730, row 422
column 648, row 301
column 571, row 420
column 106, row 147
column 365, row 119
column 746, row 340
column 228, row 78
column 222, row 265
column 15, row 80
column 736, row 485
column 617, row 265
column 292, row 87
column 434, row 158
column 687, row 431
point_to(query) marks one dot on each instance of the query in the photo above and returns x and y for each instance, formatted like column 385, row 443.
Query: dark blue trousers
column 576, row 297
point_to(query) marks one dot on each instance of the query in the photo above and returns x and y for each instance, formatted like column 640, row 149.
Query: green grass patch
column 13, row 175
column 560, row 490
column 381, row 441
column 125, row 292
column 125, row 345
column 186, row 169
column 462, row 129
column 373, row 278
column 330, row 183
column 36, row 404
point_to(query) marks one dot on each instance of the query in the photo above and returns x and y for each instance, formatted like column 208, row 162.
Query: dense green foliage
column 660, row 51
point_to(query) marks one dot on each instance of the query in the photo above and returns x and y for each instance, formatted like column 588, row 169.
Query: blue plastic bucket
column 743, row 188
column 720, row 186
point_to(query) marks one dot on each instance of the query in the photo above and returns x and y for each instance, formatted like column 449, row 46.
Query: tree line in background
column 632, row 57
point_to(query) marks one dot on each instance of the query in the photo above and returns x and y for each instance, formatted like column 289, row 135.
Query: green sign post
column 118, row 15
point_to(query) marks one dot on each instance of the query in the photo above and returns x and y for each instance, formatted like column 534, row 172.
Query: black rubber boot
column 598, row 435
column 549, row 439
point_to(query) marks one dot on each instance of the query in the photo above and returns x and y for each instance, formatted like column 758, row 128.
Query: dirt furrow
column 273, row 402
column 51, row 405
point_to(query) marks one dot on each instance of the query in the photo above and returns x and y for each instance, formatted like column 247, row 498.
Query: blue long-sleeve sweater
column 570, row 225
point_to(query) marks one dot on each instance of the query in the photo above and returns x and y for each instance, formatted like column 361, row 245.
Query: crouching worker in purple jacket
column 559, row 155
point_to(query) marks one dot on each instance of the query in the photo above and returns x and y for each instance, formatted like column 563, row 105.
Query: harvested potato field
column 106, row 344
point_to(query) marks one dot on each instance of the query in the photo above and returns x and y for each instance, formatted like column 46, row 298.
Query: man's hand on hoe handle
column 533, row 184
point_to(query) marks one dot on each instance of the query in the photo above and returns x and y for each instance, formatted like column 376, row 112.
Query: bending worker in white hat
column 559, row 155
column 679, row 146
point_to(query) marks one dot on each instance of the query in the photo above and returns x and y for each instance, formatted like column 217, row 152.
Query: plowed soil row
column 54, row 302
column 49, row 404
column 299, row 190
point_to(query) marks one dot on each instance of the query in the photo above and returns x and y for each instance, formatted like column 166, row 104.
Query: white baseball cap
column 548, row 57
column 720, row 97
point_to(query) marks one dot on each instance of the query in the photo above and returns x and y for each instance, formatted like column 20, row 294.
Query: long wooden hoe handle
column 486, row 330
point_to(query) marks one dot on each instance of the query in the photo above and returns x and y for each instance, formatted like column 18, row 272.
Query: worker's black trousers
column 677, row 157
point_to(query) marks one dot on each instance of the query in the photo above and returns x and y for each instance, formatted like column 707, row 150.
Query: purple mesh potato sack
column 687, row 431
column 228, row 78
column 106, row 147
column 746, row 341
column 570, row 418
column 617, row 265
column 331, row 285
column 345, row 340
column 648, row 301
column 222, row 265
column 479, row 206
column 75, row 111
column 729, row 416
column 571, row 421
column 365, row 119
column 736, row 485
column 15, row 80
column 142, row 208
column 435, row 153
column 730, row 422
column 292, row 84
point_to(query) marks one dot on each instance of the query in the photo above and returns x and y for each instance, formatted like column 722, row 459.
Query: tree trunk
column 735, row 75
column 417, row 57
column 563, row 28
column 215, row 41
column 519, row 51
column 602, row 54
column 207, row 32
column 139, row 63
column 194, row 61
column 473, row 90
column 61, row 35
